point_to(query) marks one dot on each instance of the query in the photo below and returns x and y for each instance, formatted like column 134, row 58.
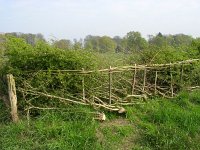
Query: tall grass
column 51, row 130
column 158, row 124
column 169, row 124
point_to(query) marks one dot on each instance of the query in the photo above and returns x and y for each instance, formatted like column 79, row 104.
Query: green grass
column 52, row 130
column 158, row 124
column 169, row 124
column 116, row 136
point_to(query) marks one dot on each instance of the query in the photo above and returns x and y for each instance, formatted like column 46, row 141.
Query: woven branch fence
column 108, row 89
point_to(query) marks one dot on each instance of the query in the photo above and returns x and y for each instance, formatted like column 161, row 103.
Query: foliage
column 176, row 41
column 106, row 44
column 63, row 44
column 33, row 66
column 2, row 51
column 194, row 49
column 42, row 56
column 78, row 45
column 135, row 42
column 156, row 55
column 29, row 38
column 4, row 113
column 100, row 44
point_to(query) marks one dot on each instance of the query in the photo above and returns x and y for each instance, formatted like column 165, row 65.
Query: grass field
column 157, row 124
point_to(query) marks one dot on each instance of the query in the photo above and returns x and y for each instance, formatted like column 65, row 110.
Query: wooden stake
column 12, row 97
column 181, row 76
column 110, row 85
column 171, row 84
column 83, row 85
column 134, row 80
column 144, row 80
column 155, row 85
column 28, row 116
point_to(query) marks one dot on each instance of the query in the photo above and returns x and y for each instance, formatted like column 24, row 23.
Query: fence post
column 83, row 85
column 110, row 85
column 181, row 76
column 134, row 80
column 144, row 80
column 156, row 78
column 171, row 83
column 12, row 97
column 28, row 116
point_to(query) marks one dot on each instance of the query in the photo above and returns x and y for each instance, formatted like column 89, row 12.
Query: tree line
column 132, row 42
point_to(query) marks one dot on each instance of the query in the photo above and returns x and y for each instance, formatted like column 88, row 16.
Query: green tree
column 120, row 44
column 194, row 49
column 63, row 44
column 28, row 37
column 78, row 44
column 182, row 40
column 177, row 40
column 158, row 40
column 99, row 44
column 106, row 44
column 91, row 43
column 2, row 50
column 135, row 42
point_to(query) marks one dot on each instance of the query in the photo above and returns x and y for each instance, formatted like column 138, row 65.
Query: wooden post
column 144, row 80
column 134, row 80
column 181, row 76
column 155, row 85
column 110, row 85
column 83, row 85
column 12, row 97
column 28, row 116
column 171, row 83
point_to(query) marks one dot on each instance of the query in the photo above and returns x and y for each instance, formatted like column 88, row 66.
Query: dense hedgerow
column 42, row 56
column 33, row 66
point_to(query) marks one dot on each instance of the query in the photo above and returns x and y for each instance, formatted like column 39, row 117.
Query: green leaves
column 135, row 42
column 34, row 68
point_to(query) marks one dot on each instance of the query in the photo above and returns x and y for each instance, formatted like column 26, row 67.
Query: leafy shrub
column 33, row 67
column 161, row 55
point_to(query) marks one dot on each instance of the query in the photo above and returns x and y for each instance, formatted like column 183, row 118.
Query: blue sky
column 77, row 18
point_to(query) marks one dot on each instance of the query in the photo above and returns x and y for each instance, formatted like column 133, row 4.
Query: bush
column 33, row 68
column 162, row 55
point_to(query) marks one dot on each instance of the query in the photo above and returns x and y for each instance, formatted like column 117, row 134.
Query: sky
column 69, row 19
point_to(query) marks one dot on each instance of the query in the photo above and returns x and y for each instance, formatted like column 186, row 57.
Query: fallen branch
column 51, row 96
column 105, row 106
column 144, row 96
column 194, row 87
